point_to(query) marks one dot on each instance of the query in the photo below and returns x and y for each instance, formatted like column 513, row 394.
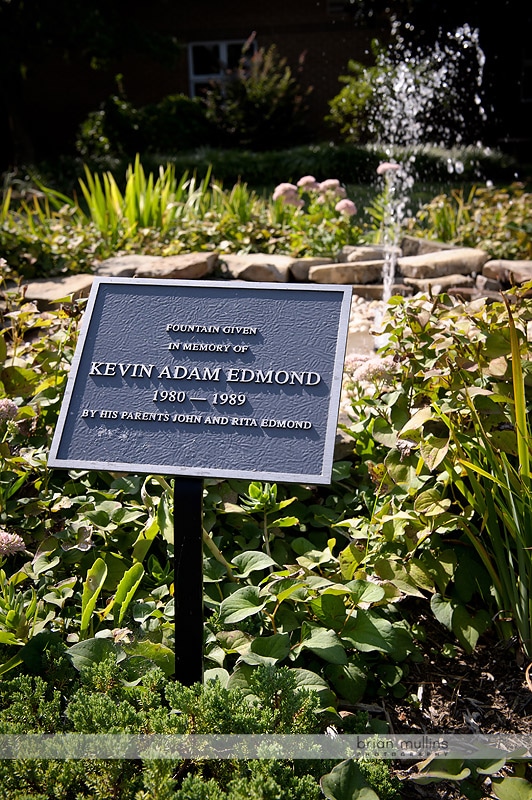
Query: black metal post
column 188, row 579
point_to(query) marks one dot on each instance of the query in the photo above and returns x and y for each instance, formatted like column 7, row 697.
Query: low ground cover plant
column 318, row 592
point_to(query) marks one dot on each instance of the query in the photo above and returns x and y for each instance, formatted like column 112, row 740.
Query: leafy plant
column 259, row 104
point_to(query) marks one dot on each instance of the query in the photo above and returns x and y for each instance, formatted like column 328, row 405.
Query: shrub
column 259, row 104
column 120, row 130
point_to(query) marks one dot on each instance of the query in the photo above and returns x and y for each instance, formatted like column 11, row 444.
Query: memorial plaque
column 206, row 379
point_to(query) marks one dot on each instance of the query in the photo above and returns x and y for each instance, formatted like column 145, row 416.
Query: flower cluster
column 364, row 375
column 8, row 409
column 328, row 191
column 10, row 543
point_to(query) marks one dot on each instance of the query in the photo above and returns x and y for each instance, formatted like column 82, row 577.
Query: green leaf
column 19, row 380
column 347, row 782
column 285, row 522
column 442, row 610
column 511, row 788
column 369, row 632
column 441, row 769
column 162, row 656
column 341, row 471
column 91, row 651
column 397, row 574
column 234, row 641
column 251, row 561
column 434, row 449
column 306, row 679
column 165, row 518
column 330, row 610
column 91, row 589
column 467, row 629
column 127, row 587
column 216, row 674
column 241, row 604
column 365, row 591
column 268, row 649
column 348, row 680
column 324, row 643
column 430, row 503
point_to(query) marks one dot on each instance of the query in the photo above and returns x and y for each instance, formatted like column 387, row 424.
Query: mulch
column 486, row 692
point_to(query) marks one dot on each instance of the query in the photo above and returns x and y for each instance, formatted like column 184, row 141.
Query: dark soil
column 486, row 692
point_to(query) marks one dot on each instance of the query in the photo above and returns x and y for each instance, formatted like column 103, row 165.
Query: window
column 208, row 61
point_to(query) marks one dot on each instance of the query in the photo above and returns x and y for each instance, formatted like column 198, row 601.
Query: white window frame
column 223, row 45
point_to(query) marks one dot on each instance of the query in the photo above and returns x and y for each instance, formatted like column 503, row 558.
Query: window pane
column 206, row 59
column 234, row 54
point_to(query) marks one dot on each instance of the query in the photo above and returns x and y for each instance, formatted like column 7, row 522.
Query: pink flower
column 10, row 543
column 283, row 190
column 329, row 184
column 387, row 166
column 346, row 207
column 8, row 409
column 308, row 182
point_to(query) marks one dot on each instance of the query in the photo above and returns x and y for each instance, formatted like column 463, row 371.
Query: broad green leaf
column 416, row 421
column 367, row 632
column 19, row 380
column 241, row 604
column 234, row 641
column 127, row 587
column 348, row 680
column 91, row 589
column 330, row 610
column 216, row 674
column 442, row 610
column 467, row 629
column 397, row 574
column 403, row 470
column 433, row 450
column 350, row 559
column 251, row 561
column 162, row 656
column 511, row 788
column 324, row 643
column 430, row 503
column 347, row 782
column 441, row 769
column 306, row 679
column 496, row 344
column 341, row 470
column 365, row 591
column 91, row 651
column 268, row 649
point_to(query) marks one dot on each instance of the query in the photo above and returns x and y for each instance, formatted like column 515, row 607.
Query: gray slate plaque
column 206, row 379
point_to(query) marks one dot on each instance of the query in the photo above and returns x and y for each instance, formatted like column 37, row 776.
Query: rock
column 257, row 267
column 412, row 246
column 300, row 266
column 441, row 284
column 45, row 292
column 509, row 272
column 458, row 260
column 184, row 266
column 373, row 291
column 470, row 293
column 485, row 284
column 368, row 252
column 357, row 272
column 124, row 266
